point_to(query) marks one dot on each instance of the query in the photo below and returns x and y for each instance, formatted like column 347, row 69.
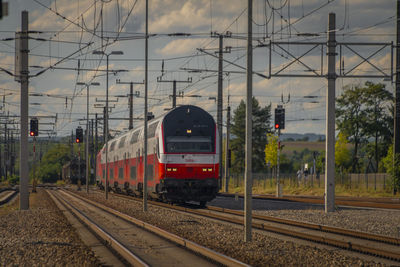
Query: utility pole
column 330, row 118
column 131, row 95
column 220, row 97
column 146, row 55
column 91, row 147
column 95, row 147
column 160, row 80
column 396, row 142
column 249, row 126
column 1, row 157
column 22, row 73
column 219, row 107
column 6, row 152
column 227, row 150
column 104, row 125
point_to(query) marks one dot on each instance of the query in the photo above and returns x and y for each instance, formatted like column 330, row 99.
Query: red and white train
column 182, row 158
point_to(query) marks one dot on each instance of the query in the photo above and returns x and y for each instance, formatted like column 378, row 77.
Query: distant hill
column 302, row 137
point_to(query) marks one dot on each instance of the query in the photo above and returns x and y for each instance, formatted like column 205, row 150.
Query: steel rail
column 213, row 255
column 7, row 197
column 263, row 225
column 380, row 203
column 313, row 226
column 113, row 243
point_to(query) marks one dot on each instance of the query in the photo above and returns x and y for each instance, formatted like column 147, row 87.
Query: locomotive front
column 189, row 155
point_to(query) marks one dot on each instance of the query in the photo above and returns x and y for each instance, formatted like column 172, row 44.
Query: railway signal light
column 79, row 135
column 34, row 131
column 279, row 118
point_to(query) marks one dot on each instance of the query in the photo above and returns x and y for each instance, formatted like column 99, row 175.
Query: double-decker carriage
column 182, row 158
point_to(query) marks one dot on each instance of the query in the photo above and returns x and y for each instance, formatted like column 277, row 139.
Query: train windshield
column 192, row 144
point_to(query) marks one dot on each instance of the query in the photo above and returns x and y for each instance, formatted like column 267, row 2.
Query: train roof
column 157, row 119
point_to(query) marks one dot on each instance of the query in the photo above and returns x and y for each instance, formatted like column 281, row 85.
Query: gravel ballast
column 377, row 221
column 40, row 236
column 227, row 239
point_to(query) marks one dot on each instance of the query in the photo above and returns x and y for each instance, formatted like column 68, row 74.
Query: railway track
column 139, row 243
column 361, row 242
column 364, row 202
column 7, row 195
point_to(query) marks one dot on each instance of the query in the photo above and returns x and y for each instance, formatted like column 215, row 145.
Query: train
column 182, row 158
column 70, row 171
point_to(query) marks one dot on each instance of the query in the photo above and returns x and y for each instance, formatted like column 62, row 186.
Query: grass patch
column 265, row 187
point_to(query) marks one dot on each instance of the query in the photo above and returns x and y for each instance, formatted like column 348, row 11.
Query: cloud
column 180, row 46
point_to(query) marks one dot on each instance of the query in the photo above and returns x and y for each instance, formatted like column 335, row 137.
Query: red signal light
column 31, row 133
column 276, row 126
column 77, row 140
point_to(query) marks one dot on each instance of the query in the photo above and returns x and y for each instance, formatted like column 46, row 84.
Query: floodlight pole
column 106, row 113
column 87, row 131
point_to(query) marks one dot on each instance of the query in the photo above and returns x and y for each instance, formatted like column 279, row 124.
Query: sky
column 66, row 32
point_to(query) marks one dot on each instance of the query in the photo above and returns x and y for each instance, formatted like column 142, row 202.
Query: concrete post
column 24, row 171
column 249, row 126
column 330, row 119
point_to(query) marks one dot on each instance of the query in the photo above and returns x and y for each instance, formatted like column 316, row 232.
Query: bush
column 60, row 182
column 13, row 179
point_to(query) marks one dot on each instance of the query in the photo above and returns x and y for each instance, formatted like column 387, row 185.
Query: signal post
column 34, row 131
column 79, row 138
column 279, row 124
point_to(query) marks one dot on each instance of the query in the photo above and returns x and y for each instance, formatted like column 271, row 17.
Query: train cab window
column 122, row 142
column 134, row 137
column 112, row 146
column 152, row 130
column 193, row 144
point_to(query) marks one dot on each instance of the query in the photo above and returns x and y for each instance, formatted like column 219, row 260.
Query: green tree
column 342, row 153
column 351, row 117
column 392, row 167
column 261, row 125
column 52, row 162
column 271, row 150
column 379, row 124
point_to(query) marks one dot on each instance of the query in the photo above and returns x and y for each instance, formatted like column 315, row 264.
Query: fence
column 368, row 181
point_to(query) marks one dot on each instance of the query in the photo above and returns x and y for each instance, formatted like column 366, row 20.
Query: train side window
column 150, row 172
column 122, row 142
column 111, row 174
column 133, row 173
column 134, row 137
column 152, row 130
column 104, row 174
column 120, row 173
column 112, row 146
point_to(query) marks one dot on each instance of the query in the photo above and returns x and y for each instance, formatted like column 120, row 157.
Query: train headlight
column 204, row 169
column 169, row 169
column 210, row 170
column 174, row 169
